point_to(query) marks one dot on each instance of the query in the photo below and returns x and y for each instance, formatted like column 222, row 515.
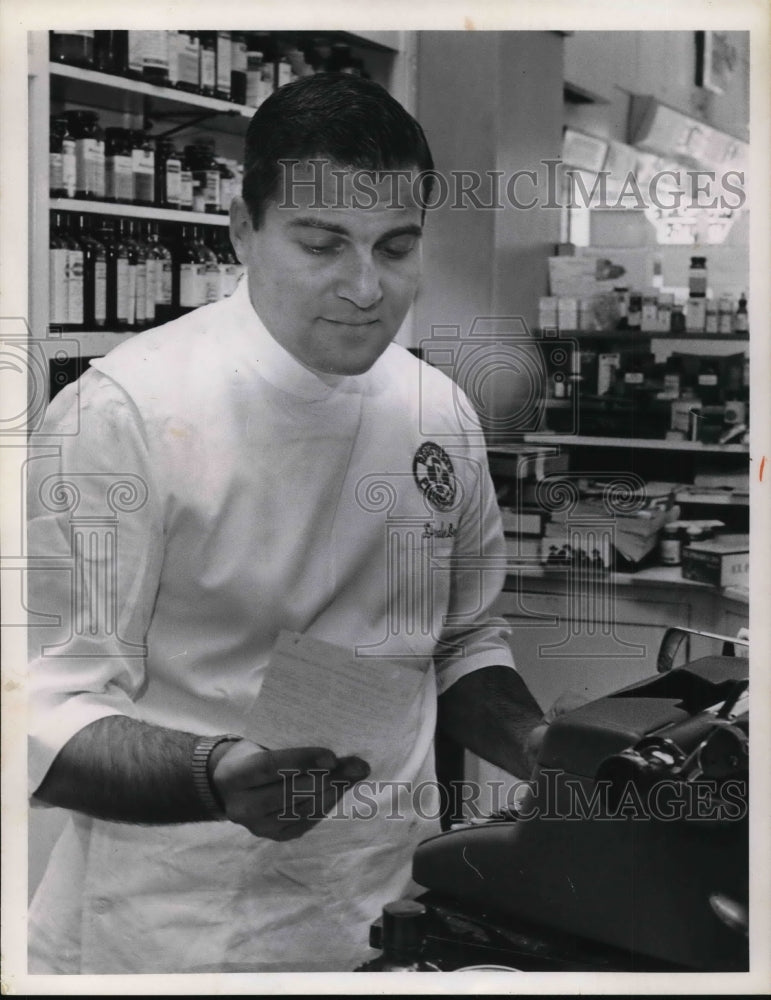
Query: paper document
column 317, row 694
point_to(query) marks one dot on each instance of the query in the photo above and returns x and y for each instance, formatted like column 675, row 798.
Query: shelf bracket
column 194, row 118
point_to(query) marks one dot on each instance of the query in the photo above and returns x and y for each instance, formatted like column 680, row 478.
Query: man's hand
column 566, row 702
column 281, row 794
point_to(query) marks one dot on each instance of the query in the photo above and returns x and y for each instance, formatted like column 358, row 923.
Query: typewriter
column 629, row 851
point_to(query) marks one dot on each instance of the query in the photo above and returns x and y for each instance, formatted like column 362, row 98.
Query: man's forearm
column 121, row 769
column 493, row 714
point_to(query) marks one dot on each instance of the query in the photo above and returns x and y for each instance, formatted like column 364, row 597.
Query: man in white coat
column 271, row 463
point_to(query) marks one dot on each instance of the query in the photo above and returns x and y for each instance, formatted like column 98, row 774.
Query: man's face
column 332, row 284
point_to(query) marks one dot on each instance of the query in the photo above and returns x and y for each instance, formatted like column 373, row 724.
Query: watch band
column 200, row 768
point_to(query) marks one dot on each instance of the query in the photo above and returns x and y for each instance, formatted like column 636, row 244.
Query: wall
column 614, row 64
column 489, row 101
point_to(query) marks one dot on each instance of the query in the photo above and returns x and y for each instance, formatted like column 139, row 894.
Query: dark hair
column 352, row 122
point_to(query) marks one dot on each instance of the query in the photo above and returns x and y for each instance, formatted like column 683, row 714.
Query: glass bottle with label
column 139, row 261
column 155, row 58
column 61, row 159
column 186, row 184
column 741, row 319
column 111, row 54
column 208, row 79
column 238, row 67
column 188, row 50
column 206, row 177
column 74, row 275
column 725, row 318
column 228, row 266
column 224, row 65
column 164, row 268
column 89, row 154
column 120, row 289
column 211, row 291
column 76, row 48
column 228, row 186
column 670, row 545
column 94, row 278
column 152, row 272
column 58, row 314
column 143, row 168
column 168, row 174
column 118, row 165
column 254, row 71
column 634, row 314
column 135, row 41
column 189, row 272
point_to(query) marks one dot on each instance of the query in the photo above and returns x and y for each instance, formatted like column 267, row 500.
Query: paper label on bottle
column 122, row 289
column 55, row 171
column 707, row 380
column 119, row 178
column 238, row 57
column 140, row 292
column 188, row 57
column 634, row 378
column 69, row 167
column 100, row 292
column 143, row 168
column 163, row 289
column 186, row 189
column 131, row 295
column 212, row 282
column 152, row 271
column 135, row 49
column 155, row 51
column 75, row 287
column 173, row 170
column 189, row 291
column 89, row 165
column 223, row 63
column 57, row 285
column 208, row 79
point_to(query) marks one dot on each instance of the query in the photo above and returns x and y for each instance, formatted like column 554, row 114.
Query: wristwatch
column 200, row 765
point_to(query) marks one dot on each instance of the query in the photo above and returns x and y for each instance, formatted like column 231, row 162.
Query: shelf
column 117, row 93
column 653, row 444
column 634, row 336
column 137, row 211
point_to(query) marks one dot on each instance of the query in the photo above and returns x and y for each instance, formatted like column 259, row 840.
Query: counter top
column 654, row 576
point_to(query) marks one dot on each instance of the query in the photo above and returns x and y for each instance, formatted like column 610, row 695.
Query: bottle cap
column 403, row 925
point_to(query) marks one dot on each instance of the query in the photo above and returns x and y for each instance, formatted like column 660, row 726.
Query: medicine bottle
column 163, row 274
column 697, row 278
column 94, row 277
column 61, row 159
column 155, row 57
column 188, row 48
column 224, row 64
column 741, row 319
column 76, row 48
column 168, row 175
column 208, row 78
column 89, row 154
column 118, row 165
column 238, row 67
column 57, row 273
column 111, row 52
column 670, row 546
column 143, row 168
column 403, row 938
column 206, row 177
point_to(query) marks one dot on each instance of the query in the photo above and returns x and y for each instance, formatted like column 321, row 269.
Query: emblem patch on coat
column 435, row 475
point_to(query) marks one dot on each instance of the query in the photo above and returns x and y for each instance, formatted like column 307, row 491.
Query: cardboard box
column 723, row 561
column 597, row 270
